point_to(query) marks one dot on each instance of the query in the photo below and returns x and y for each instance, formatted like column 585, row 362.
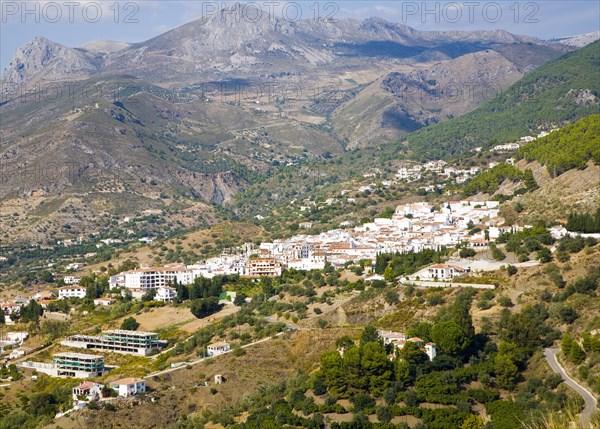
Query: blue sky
column 136, row 21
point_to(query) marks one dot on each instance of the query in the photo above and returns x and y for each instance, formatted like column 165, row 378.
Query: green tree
column 240, row 299
column 497, row 254
column 402, row 371
column 202, row 307
column 47, row 277
column 183, row 292
column 31, row 312
column 450, row 338
column 527, row 329
column 591, row 343
column 344, row 342
column 544, row 255
column 149, row 295
column 506, row 371
column 384, row 414
column 421, row 330
column 389, row 274
column 354, row 376
column 369, row 335
column 332, row 368
column 576, row 354
column 376, row 367
column 412, row 353
column 529, row 180
column 130, row 324
column 466, row 252
column 473, row 422
column 460, row 313
column 391, row 296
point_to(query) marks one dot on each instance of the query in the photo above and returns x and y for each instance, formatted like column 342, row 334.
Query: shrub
column 467, row 253
column 362, row 402
column 505, row 301
column 130, row 324
column 484, row 304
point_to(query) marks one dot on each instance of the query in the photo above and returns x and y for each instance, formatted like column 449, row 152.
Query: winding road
column 591, row 404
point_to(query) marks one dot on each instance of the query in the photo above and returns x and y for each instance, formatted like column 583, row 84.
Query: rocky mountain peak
column 54, row 59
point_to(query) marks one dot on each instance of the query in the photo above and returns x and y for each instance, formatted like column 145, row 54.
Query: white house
column 129, row 386
column 399, row 340
column 88, row 391
column 430, row 350
column 74, row 266
column 20, row 352
column 104, row 301
column 217, row 349
column 165, row 294
column 391, row 336
column 71, row 280
column 444, row 271
column 74, row 291
column 505, row 147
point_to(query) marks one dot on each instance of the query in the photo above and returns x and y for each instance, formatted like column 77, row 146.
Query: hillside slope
column 570, row 147
column 558, row 92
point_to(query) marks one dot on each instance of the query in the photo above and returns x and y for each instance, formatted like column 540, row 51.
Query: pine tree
column 529, row 180
column 565, row 344
column 376, row 367
column 576, row 355
column 369, row 335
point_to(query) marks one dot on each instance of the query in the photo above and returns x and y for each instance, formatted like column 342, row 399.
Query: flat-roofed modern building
column 259, row 267
column 76, row 365
column 153, row 277
column 118, row 341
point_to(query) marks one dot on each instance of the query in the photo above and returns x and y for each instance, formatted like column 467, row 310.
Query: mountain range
column 195, row 115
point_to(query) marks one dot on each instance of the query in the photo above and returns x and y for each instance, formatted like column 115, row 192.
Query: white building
column 430, row 350
column 216, row 349
column 71, row 280
column 129, row 386
column 87, row 391
column 74, row 291
column 74, row 266
column 399, row 340
column 104, row 301
column 154, row 277
column 76, row 365
column 165, row 294
column 443, row 271
column 505, row 147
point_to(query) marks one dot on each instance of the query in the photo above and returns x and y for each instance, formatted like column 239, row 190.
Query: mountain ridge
column 221, row 43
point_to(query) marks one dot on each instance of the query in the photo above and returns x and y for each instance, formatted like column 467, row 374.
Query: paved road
column 591, row 404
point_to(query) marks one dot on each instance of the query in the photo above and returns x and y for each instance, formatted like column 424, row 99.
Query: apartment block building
column 259, row 267
column 118, row 341
column 76, row 365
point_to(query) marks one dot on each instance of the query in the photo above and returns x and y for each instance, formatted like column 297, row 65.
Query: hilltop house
column 129, row 386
